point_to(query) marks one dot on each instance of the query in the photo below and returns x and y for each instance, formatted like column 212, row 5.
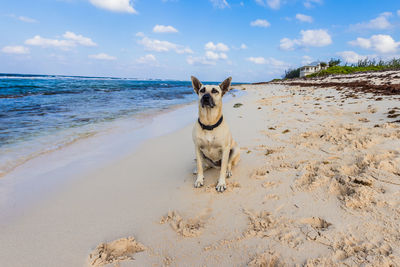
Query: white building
column 311, row 68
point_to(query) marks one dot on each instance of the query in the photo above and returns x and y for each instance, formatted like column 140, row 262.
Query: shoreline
column 94, row 130
column 303, row 192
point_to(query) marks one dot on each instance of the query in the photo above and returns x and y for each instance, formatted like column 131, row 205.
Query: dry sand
column 318, row 184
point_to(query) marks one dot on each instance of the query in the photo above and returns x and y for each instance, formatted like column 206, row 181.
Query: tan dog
column 213, row 141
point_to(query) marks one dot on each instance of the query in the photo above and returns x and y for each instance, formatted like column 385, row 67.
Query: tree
column 292, row 73
column 334, row 62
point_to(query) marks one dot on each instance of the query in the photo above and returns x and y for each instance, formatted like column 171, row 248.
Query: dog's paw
column 220, row 187
column 194, row 171
column 199, row 182
column 228, row 174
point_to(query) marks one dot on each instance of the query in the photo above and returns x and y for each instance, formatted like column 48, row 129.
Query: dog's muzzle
column 207, row 101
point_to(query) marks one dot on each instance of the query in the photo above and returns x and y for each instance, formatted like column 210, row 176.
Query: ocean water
column 41, row 113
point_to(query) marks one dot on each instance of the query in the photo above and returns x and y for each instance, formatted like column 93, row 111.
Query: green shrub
column 360, row 66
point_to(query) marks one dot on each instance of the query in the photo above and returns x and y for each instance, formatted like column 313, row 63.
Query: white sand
column 317, row 184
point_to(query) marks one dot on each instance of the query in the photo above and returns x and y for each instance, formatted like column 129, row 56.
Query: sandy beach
column 317, row 185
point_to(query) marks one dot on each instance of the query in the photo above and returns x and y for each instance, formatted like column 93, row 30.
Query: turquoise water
column 41, row 113
column 32, row 106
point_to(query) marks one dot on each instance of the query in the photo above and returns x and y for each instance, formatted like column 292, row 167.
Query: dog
column 214, row 145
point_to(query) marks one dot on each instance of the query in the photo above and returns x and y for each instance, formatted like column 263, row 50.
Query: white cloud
column 157, row 45
column 124, row 6
column 309, row 38
column 243, row 46
column 27, row 19
column 306, row 60
column 140, row 34
column 216, row 47
column 269, row 61
column 199, row 61
column 398, row 12
column 315, row 38
column 19, row 49
column 219, row 3
column 215, row 55
column 274, row 4
column 163, row 46
column 185, row 50
column 102, row 56
column 288, row 44
column 79, row 39
column 310, row 3
column 164, row 29
column 147, row 59
column 386, row 14
column 260, row 23
column 381, row 43
column 304, row 18
column 350, row 56
column 23, row 18
column 71, row 40
column 37, row 40
column 257, row 60
column 361, row 42
column 379, row 23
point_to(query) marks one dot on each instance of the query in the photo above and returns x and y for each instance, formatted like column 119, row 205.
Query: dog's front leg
column 200, row 177
column 221, row 186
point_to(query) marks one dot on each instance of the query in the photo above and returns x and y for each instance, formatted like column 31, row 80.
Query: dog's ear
column 196, row 84
column 225, row 85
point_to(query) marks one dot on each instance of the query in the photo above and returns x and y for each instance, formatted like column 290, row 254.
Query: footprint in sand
column 316, row 222
column 270, row 184
column 259, row 223
column 115, row 251
column 267, row 259
column 264, row 225
column 269, row 197
column 230, row 187
column 184, row 227
column 363, row 120
column 260, row 174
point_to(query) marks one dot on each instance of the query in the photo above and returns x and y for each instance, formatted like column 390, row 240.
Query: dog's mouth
column 207, row 101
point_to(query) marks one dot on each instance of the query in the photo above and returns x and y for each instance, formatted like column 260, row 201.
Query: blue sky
column 254, row 40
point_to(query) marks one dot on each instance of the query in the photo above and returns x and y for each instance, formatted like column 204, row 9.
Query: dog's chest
column 210, row 146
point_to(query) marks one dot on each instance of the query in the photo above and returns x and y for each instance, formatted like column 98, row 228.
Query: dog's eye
column 214, row 91
column 202, row 90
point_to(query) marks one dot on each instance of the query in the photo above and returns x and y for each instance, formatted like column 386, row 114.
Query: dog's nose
column 207, row 100
column 206, row 97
